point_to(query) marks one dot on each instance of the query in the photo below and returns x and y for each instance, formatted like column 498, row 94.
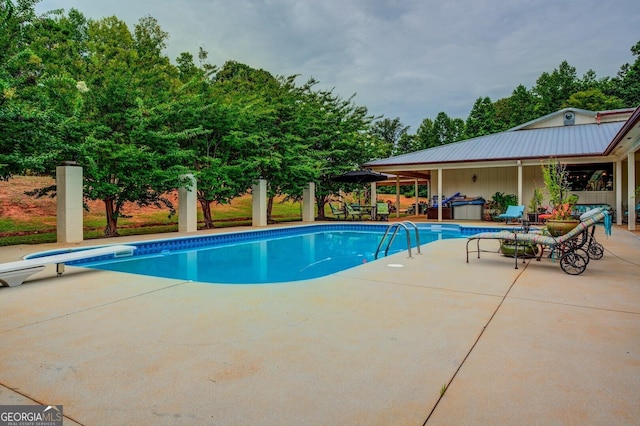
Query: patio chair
column 574, row 249
column 513, row 212
column 337, row 212
column 353, row 212
column 382, row 211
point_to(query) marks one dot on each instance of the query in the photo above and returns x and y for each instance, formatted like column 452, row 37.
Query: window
column 591, row 177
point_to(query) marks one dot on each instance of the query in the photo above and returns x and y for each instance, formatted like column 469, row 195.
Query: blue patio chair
column 513, row 213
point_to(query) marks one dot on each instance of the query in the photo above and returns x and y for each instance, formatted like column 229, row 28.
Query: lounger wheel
column 573, row 263
column 596, row 251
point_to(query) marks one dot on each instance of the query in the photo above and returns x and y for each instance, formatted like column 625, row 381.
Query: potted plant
column 527, row 250
column 534, row 204
column 555, row 177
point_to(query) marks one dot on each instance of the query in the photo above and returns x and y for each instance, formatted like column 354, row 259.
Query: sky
column 400, row 58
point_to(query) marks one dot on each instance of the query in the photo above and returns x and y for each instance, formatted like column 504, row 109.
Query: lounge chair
column 382, row 211
column 574, row 249
column 513, row 212
column 14, row 273
column 337, row 212
column 353, row 212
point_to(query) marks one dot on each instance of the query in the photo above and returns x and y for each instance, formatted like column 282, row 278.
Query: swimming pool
column 267, row 256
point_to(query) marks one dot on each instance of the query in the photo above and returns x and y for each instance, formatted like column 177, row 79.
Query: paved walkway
column 374, row 345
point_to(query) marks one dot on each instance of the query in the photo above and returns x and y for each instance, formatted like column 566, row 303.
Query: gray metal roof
column 565, row 141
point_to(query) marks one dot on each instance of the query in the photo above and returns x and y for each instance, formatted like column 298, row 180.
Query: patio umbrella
column 360, row 176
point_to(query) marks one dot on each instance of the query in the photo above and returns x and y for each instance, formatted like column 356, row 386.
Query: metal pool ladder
column 396, row 227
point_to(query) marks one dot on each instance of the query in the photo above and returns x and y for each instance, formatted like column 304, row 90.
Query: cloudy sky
column 401, row 58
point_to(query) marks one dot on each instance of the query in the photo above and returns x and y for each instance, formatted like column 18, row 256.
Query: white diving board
column 14, row 273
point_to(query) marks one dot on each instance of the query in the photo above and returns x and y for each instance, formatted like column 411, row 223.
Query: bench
column 14, row 273
column 579, row 209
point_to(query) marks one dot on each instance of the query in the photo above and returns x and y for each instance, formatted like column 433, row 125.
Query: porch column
column 520, row 202
column 618, row 206
column 187, row 206
column 374, row 194
column 308, row 202
column 416, row 211
column 397, row 196
column 631, row 185
column 440, row 195
column 259, row 203
column 69, row 215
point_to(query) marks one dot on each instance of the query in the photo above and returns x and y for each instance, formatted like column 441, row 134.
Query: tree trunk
column 321, row 202
column 269, row 208
column 206, row 211
column 111, row 230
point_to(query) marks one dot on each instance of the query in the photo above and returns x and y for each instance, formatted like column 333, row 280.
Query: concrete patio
column 373, row 345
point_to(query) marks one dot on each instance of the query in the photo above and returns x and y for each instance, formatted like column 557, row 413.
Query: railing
column 396, row 227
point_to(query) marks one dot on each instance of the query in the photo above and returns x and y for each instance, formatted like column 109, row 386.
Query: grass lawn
column 29, row 220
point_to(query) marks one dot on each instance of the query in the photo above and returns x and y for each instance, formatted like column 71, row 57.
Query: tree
column 22, row 123
column 523, row 106
column 626, row 85
column 482, row 119
column 389, row 131
column 425, row 136
column 552, row 90
column 224, row 120
column 128, row 152
column 337, row 131
column 405, row 145
column 447, row 130
column 593, row 100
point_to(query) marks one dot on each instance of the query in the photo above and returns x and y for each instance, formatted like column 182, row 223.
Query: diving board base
column 17, row 277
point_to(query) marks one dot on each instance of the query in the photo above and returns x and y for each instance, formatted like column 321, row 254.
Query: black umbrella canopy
column 360, row 176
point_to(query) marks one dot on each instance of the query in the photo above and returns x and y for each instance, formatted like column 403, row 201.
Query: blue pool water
column 279, row 255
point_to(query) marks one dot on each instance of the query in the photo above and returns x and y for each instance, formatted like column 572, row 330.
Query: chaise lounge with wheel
column 574, row 249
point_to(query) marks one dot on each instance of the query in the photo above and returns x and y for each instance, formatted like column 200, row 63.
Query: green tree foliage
column 522, row 105
column 626, row 85
column 447, row 130
column 552, row 89
column 425, row 136
column 222, row 112
column 389, row 132
column 593, row 100
column 336, row 130
column 482, row 119
column 131, row 154
column 22, row 123
column 103, row 87
column 407, row 143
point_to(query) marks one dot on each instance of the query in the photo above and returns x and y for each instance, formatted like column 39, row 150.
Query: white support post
column 631, row 185
column 520, row 201
column 69, row 212
column 374, row 194
column 259, row 203
column 187, row 206
column 440, row 197
column 416, row 211
column 308, row 203
column 397, row 196
column 618, row 177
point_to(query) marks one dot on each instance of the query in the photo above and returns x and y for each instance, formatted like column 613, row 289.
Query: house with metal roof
column 598, row 149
